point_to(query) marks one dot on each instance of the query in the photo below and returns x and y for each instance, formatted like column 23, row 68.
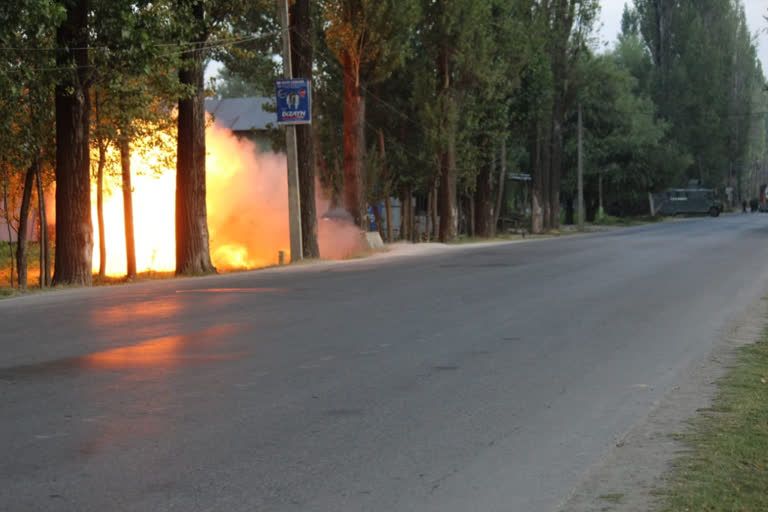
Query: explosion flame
column 247, row 201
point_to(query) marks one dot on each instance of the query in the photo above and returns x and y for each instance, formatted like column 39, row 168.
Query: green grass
column 616, row 498
column 608, row 220
column 725, row 467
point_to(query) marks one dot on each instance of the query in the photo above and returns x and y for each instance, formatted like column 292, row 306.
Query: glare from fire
column 247, row 203
column 154, row 185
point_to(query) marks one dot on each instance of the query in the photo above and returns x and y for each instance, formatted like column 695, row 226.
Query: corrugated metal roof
column 242, row 114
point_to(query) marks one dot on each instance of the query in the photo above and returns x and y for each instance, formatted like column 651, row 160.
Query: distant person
column 744, row 206
column 753, row 204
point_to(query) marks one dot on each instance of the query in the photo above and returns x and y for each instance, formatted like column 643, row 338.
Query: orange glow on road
column 158, row 352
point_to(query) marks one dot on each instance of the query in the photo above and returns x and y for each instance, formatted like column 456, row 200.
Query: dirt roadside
column 635, row 466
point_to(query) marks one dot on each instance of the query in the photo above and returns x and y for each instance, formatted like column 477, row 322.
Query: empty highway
column 488, row 378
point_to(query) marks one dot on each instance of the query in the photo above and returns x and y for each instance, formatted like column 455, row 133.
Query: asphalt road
column 477, row 379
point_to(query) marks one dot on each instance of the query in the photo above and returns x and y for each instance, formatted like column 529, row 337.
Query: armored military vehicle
column 676, row 201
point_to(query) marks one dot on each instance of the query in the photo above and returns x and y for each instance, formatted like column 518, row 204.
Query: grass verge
column 33, row 265
column 607, row 220
column 725, row 466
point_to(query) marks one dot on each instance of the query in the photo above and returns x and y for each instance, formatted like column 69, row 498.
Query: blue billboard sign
column 294, row 104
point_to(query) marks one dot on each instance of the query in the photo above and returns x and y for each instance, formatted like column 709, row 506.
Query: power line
column 217, row 42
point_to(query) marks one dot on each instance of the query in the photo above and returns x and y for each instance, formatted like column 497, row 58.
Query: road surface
column 486, row 378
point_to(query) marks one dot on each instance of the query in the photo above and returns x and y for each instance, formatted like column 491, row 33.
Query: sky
column 755, row 10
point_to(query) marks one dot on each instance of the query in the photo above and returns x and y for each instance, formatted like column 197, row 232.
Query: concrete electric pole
column 294, row 204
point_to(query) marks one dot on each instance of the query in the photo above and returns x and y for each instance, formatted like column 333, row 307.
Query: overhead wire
column 208, row 45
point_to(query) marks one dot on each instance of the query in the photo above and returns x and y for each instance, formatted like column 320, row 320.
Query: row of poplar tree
column 431, row 98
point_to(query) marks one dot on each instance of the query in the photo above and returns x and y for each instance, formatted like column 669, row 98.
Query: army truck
column 676, row 201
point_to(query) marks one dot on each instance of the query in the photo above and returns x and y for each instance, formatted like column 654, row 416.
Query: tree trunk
column 45, row 246
column 405, row 205
column 556, row 162
column 412, row 216
column 130, row 242
column 192, row 240
column 74, row 231
column 427, row 227
column 100, row 208
column 651, row 205
column 302, row 51
column 409, row 216
column 537, row 179
column 449, row 214
column 354, row 142
column 21, row 236
column 546, row 173
column 482, row 200
column 563, row 19
column 500, row 187
column 434, row 207
column 7, row 214
column 472, row 214
column 448, row 209
column 102, row 145
column 388, row 206
column 569, row 211
column 558, row 118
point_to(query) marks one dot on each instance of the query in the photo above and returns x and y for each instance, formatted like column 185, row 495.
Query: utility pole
column 294, row 204
column 581, row 173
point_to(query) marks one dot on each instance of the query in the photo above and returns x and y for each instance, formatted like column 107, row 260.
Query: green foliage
column 704, row 81
column 27, row 75
column 134, row 103
column 374, row 34
column 251, row 62
column 229, row 84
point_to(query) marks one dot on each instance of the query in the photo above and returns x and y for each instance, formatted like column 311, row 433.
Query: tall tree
column 490, row 98
column 370, row 39
column 26, row 101
column 471, row 76
column 625, row 145
column 568, row 24
column 74, row 232
column 200, row 20
column 704, row 69
column 302, row 59
column 451, row 29
column 192, row 239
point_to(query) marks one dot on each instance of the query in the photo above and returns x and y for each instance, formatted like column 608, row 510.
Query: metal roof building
column 246, row 117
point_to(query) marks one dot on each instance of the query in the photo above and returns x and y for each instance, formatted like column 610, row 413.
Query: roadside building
column 246, row 117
